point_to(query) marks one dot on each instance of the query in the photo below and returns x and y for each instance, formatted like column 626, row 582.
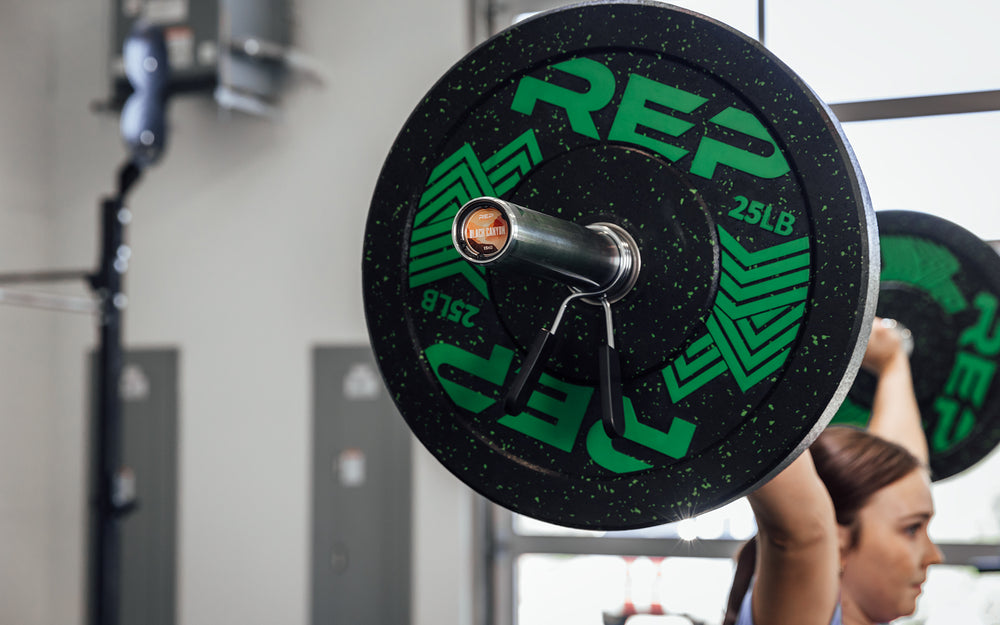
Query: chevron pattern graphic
column 754, row 321
column 932, row 266
column 459, row 178
column 701, row 363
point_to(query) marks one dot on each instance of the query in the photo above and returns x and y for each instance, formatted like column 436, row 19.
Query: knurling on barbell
column 745, row 323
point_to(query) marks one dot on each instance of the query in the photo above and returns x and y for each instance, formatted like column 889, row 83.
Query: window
column 941, row 164
column 856, row 50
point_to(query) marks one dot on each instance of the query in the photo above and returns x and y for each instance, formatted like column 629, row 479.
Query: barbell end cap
column 490, row 245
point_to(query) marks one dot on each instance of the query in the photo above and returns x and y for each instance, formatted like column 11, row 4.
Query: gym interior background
column 244, row 286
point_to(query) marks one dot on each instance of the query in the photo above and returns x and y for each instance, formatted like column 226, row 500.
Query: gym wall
column 27, row 349
column 246, row 246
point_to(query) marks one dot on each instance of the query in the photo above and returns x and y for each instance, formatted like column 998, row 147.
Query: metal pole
column 49, row 301
column 107, row 447
column 44, row 276
column 112, row 489
column 761, row 21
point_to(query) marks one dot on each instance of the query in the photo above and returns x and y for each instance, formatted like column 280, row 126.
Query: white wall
column 26, row 354
column 247, row 251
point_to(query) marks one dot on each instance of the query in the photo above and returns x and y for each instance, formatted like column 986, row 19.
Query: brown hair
column 853, row 465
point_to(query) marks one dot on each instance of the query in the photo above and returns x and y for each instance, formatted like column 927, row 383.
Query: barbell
column 621, row 265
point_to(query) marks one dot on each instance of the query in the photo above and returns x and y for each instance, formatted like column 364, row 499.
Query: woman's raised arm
column 797, row 579
column 895, row 414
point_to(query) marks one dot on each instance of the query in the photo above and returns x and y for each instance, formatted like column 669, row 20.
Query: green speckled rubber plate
column 747, row 323
column 943, row 283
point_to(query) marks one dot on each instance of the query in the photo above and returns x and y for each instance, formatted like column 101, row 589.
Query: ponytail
column 746, row 561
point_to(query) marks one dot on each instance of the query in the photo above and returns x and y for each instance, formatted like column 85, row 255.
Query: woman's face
column 884, row 572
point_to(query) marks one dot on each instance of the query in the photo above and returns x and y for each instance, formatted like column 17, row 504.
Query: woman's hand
column 886, row 346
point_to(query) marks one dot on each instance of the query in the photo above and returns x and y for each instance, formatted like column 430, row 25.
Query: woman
column 842, row 531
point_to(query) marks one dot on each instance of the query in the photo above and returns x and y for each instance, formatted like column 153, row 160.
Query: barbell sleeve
column 494, row 232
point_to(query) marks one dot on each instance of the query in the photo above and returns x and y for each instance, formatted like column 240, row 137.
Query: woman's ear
column 845, row 538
